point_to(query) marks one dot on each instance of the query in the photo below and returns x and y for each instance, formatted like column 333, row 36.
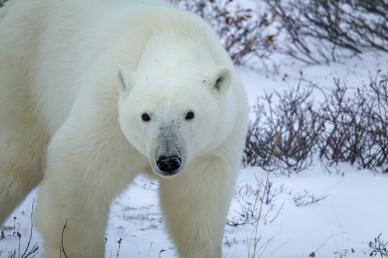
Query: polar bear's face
column 173, row 121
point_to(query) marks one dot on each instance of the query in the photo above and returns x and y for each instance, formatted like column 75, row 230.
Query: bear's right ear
column 220, row 80
column 125, row 80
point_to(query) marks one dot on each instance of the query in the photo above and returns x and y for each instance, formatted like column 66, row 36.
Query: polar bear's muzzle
column 168, row 157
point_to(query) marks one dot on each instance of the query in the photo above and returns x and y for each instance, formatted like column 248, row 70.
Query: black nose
column 168, row 164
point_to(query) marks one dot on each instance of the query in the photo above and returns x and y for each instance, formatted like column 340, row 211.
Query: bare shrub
column 379, row 247
column 314, row 32
column 298, row 126
column 349, row 125
column 247, row 34
column 30, row 250
column 327, row 30
column 257, row 207
column 356, row 123
column 307, row 199
column 257, row 203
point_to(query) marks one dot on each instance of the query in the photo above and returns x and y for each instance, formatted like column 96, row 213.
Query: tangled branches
column 245, row 33
column 295, row 122
column 327, row 30
column 356, row 124
column 350, row 125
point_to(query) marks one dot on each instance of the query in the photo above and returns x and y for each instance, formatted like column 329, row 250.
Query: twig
column 32, row 225
column 62, row 244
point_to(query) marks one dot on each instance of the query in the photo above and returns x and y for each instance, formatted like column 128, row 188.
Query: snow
column 351, row 214
column 353, row 72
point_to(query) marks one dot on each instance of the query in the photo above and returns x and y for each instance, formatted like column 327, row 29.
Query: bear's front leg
column 87, row 166
column 195, row 204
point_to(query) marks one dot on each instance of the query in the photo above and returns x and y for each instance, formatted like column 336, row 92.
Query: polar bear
column 95, row 92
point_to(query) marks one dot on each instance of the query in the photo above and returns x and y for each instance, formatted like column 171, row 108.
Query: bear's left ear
column 220, row 80
column 125, row 79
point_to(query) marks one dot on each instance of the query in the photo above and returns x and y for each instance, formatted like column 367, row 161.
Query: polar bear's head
column 175, row 116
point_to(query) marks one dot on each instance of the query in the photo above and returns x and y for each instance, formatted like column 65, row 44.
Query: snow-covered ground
column 311, row 214
column 351, row 213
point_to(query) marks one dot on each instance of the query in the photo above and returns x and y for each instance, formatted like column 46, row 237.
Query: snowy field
column 311, row 214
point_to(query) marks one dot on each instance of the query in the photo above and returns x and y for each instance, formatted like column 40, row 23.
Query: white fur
column 75, row 77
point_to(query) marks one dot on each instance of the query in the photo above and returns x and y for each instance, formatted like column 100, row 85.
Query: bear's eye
column 189, row 115
column 145, row 117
